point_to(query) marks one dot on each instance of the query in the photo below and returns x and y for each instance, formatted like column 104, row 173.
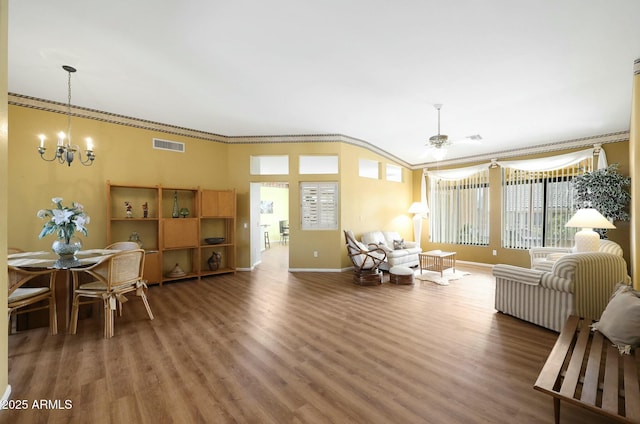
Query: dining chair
column 113, row 277
column 123, row 245
column 29, row 299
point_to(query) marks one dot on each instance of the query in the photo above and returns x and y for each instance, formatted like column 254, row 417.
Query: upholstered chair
column 577, row 284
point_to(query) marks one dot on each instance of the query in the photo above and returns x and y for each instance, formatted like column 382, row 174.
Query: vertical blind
column 538, row 199
column 459, row 201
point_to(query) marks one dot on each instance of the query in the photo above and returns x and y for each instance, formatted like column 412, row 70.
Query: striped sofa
column 577, row 284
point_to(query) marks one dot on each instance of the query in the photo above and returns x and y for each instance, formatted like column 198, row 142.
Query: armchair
column 577, row 284
column 366, row 260
column 544, row 257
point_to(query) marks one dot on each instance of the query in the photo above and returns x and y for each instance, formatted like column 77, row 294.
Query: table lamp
column 586, row 239
column 418, row 209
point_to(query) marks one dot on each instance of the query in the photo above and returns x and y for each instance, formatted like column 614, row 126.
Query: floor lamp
column 419, row 209
column 586, row 239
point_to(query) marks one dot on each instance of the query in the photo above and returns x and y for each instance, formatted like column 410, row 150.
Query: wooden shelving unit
column 173, row 241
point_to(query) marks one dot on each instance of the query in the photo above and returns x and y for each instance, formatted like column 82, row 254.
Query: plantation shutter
column 319, row 205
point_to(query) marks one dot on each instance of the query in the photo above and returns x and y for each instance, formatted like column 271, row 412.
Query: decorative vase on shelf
column 184, row 212
column 135, row 238
column 66, row 249
column 214, row 261
column 176, row 209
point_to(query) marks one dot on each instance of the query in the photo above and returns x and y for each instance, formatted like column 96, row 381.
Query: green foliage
column 605, row 190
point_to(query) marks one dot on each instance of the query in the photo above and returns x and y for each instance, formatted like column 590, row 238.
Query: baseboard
column 6, row 395
column 314, row 270
column 475, row 264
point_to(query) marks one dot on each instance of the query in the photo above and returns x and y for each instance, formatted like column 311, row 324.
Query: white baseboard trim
column 6, row 395
column 313, row 270
column 475, row 264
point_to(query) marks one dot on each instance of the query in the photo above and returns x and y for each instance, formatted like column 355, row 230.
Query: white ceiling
column 519, row 73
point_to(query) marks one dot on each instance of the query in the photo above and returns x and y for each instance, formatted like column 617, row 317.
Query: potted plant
column 605, row 190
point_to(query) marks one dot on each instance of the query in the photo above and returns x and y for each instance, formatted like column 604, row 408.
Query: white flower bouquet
column 65, row 221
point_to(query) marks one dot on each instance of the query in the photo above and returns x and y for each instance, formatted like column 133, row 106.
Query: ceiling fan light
column 439, row 153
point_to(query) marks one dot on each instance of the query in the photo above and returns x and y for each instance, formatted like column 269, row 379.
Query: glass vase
column 66, row 250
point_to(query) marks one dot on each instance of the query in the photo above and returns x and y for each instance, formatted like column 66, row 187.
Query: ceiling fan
column 440, row 141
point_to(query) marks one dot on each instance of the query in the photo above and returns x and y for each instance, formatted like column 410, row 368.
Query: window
column 459, row 200
column 319, row 206
column 318, row 164
column 369, row 169
column 269, row 165
column 394, row 173
column 537, row 199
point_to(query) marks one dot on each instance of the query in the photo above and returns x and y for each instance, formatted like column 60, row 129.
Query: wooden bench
column 585, row 369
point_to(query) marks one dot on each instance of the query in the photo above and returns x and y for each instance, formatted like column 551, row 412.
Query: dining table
column 64, row 286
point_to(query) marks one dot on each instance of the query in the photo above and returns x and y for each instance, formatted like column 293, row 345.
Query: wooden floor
column 270, row 346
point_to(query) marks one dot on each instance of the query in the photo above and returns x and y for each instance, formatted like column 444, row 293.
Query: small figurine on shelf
column 145, row 209
column 184, row 212
column 176, row 211
column 129, row 209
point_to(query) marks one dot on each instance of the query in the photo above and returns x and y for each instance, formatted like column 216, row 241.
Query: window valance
column 458, row 173
column 552, row 163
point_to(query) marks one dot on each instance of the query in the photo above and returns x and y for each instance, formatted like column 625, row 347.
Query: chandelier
column 65, row 152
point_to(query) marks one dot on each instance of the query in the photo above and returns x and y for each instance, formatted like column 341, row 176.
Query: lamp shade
column 589, row 218
column 419, row 207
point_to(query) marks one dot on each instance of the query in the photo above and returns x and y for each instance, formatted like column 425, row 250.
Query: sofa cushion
column 620, row 321
column 375, row 237
column 398, row 244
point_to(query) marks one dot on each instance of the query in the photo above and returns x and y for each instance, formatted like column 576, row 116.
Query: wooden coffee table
column 437, row 260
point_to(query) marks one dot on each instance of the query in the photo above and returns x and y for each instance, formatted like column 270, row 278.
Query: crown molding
column 82, row 112
column 543, row 148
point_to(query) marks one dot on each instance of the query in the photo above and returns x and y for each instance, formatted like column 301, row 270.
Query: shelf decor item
column 145, row 210
column 64, row 222
column 214, row 240
column 128, row 209
column 134, row 237
column 176, row 272
column 184, row 212
column 214, row 261
column 176, row 210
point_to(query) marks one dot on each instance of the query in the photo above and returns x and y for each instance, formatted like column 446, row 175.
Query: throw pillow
column 620, row 321
column 398, row 244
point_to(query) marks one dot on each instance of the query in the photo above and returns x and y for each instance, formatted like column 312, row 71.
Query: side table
column 437, row 260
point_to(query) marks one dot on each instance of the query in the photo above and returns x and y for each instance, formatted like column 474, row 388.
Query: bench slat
column 551, row 370
column 631, row 388
column 603, row 361
column 572, row 375
column 592, row 373
column 611, row 387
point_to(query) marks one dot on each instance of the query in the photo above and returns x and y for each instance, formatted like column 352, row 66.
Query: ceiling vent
column 174, row 146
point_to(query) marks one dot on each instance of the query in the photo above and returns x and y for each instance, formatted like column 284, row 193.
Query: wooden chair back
column 122, row 269
column 124, row 245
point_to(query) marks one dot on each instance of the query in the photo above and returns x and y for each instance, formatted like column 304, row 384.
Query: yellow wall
column 124, row 156
column 364, row 204
column 616, row 153
column 4, row 342
column 369, row 204
column 634, row 170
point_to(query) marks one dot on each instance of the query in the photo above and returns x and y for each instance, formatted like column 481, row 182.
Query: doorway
column 269, row 219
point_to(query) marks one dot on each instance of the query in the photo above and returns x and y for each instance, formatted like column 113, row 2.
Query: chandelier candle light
column 65, row 153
